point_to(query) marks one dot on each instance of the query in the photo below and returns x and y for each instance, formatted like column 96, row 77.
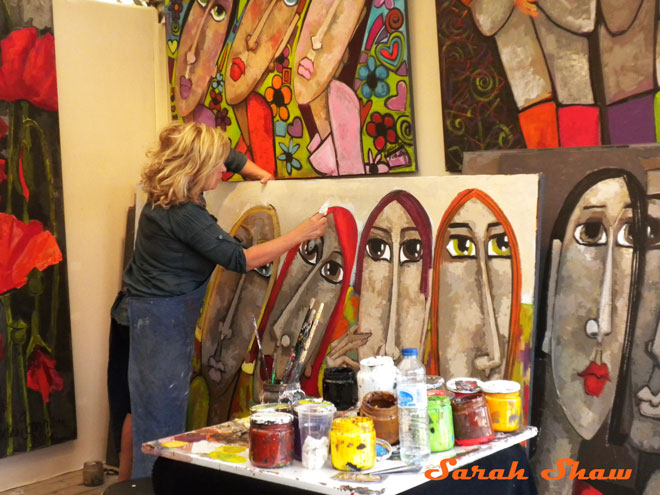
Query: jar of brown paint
column 382, row 408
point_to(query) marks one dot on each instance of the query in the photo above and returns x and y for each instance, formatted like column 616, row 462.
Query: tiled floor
column 64, row 484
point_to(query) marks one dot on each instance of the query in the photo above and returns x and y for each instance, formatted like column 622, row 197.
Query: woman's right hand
column 313, row 228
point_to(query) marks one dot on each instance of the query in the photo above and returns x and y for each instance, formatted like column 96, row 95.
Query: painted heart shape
column 392, row 54
column 398, row 102
column 364, row 111
column 295, row 128
column 172, row 45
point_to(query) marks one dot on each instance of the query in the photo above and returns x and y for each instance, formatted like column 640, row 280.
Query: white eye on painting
column 290, row 3
column 624, row 238
column 591, row 233
column 411, row 251
column 333, row 272
column 379, row 250
column 461, row 246
column 265, row 271
column 311, row 251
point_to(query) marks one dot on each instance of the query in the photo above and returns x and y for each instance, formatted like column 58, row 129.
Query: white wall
column 113, row 96
column 111, row 79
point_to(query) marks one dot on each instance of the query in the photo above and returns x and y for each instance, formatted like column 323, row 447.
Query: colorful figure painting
column 595, row 369
column 306, row 88
column 381, row 282
column 546, row 74
column 37, row 404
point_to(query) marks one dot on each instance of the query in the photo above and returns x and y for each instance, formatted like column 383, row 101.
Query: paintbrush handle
column 298, row 368
column 295, row 350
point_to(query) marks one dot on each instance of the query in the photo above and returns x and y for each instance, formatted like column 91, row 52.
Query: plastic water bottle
column 413, row 419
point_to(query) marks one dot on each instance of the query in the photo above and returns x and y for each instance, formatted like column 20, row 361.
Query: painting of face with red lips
column 592, row 294
column 265, row 28
column 201, row 42
column 645, row 353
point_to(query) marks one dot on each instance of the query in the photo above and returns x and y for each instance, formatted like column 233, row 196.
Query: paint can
column 441, row 423
column 340, row 387
column 297, row 443
column 271, row 439
column 353, row 443
column 435, row 385
column 92, row 473
column 463, row 386
column 472, row 424
column 377, row 374
column 382, row 408
column 504, row 404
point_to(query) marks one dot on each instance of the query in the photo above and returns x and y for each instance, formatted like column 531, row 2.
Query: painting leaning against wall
column 37, row 404
column 306, row 88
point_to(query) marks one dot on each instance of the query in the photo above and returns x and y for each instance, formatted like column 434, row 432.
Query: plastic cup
column 314, row 422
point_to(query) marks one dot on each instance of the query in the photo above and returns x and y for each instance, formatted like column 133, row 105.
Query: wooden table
column 224, row 447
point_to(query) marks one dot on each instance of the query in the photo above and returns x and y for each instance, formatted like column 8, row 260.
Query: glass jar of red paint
column 271, row 439
column 472, row 425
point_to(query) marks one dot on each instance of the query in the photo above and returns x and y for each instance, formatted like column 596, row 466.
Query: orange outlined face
column 200, row 45
column 476, row 290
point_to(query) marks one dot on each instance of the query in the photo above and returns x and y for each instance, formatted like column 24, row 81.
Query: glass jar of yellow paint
column 504, row 404
column 353, row 443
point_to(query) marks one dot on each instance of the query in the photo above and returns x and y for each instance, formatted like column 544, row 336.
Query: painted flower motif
column 176, row 8
column 216, row 101
column 389, row 4
column 287, row 156
column 382, row 129
column 278, row 96
column 28, row 69
column 24, row 246
column 222, row 119
column 218, row 83
column 373, row 77
column 42, row 375
column 376, row 164
column 282, row 61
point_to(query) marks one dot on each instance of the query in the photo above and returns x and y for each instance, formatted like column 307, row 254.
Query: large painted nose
column 601, row 326
column 488, row 362
column 391, row 345
column 252, row 38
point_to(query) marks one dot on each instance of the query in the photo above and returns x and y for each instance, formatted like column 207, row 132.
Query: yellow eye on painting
column 461, row 246
column 218, row 13
column 498, row 246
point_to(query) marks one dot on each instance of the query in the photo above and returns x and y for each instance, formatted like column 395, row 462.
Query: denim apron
column 159, row 368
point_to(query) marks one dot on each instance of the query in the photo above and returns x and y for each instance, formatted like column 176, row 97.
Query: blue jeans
column 159, row 368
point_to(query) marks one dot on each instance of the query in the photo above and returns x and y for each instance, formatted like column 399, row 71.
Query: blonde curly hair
column 181, row 161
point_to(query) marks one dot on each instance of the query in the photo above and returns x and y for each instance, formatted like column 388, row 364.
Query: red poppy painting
column 37, row 402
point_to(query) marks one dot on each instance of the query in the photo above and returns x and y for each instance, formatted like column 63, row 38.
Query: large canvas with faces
column 597, row 361
column 443, row 264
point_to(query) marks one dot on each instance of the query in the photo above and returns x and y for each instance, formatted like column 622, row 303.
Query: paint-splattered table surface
column 224, row 447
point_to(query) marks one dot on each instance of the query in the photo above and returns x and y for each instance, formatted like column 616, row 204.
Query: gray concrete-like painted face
column 589, row 314
column 392, row 308
column 645, row 353
column 475, row 294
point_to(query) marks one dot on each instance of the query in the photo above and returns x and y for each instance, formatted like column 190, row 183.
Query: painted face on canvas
column 392, row 306
column 265, row 28
column 328, row 28
column 474, row 294
column 317, row 271
column 201, row 41
column 645, row 354
column 588, row 319
column 233, row 305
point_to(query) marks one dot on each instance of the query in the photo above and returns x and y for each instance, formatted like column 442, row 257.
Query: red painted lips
column 237, row 69
column 595, row 377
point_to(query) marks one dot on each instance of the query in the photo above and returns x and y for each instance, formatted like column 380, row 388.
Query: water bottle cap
column 409, row 351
